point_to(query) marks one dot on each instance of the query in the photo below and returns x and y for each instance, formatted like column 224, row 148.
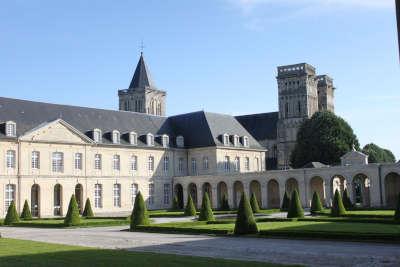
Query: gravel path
column 306, row 252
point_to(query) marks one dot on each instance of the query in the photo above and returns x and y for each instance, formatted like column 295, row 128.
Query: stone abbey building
column 49, row 152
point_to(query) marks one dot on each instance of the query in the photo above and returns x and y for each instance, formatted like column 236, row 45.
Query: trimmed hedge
column 295, row 208
column 245, row 222
column 139, row 214
column 285, row 202
column 254, row 203
column 190, row 209
column 337, row 209
column 346, row 200
column 206, row 213
column 224, row 203
column 88, row 212
column 72, row 218
column 316, row 204
column 26, row 212
column 12, row 215
column 397, row 212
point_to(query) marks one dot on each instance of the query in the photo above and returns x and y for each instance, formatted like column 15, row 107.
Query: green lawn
column 168, row 213
column 16, row 253
column 372, row 213
column 57, row 223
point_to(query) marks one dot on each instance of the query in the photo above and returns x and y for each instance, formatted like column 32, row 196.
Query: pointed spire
column 141, row 78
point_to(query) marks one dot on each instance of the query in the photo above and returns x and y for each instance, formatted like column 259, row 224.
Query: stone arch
column 361, row 190
column 57, row 202
column 79, row 196
column 238, row 190
column 392, row 189
column 222, row 189
column 291, row 185
column 338, row 182
column 35, row 200
column 192, row 190
column 255, row 187
column 178, row 191
column 317, row 184
column 206, row 188
column 273, row 194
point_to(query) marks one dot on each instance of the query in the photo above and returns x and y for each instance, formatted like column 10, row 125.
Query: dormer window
column 165, row 140
column 97, row 135
column 236, row 140
column 180, row 141
column 133, row 138
column 226, row 139
column 150, row 139
column 11, row 129
column 116, row 137
column 245, row 141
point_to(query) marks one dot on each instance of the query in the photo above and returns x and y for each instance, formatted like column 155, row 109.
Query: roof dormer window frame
column 97, row 135
column 116, row 137
column 11, row 129
column 150, row 139
column 133, row 138
column 246, row 141
column 225, row 139
column 180, row 141
column 236, row 140
column 165, row 140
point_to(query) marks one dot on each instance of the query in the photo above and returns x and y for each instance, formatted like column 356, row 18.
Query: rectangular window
column 97, row 162
column 10, row 159
column 151, row 164
column 116, row 163
column 151, row 194
column 227, row 164
column 165, row 141
column 10, row 129
column 98, row 196
column 35, row 160
column 237, row 164
column 78, row 161
column 117, row 195
column 257, row 160
column 9, row 195
column 247, row 163
column 134, row 191
column 180, row 165
column 194, row 166
column 134, row 163
column 205, row 163
column 166, row 164
column 167, row 189
column 58, row 162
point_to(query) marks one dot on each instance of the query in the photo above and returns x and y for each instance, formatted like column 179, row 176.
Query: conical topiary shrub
column 285, row 202
column 190, row 209
column 224, row 203
column 346, row 200
column 12, row 215
column 139, row 214
column 245, row 222
column 206, row 213
column 316, row 204
column 337, row 209
column 175, row 204
column 26, row 212
column 397, row 212
column 295, row 208
column 254, row 203
column 72, row 218
column 87, row 211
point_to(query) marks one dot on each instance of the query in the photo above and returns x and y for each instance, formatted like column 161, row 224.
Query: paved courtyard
column 306, row 252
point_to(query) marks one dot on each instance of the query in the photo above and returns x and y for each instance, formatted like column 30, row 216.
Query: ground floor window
column 134, row 191
column 117, row 195
column 167, row 190
column 9, row 195
column 98, row 196
column 151, row 194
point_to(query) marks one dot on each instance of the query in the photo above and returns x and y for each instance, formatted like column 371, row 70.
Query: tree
column 224, row 203
column 190, row 209
column 88, row 212
column 254, row 203
column 376, row 154
column 175, row 203
column 245, row 222
column 346, row 200
column 285, row 202
column 316, row 204
column 295, row 208
column 397, row 212
column 72, row 218
column 337, row 209
column 324, row 138
column 206, row 213
column 139, row 214
column 26, row 212
column 12, row 215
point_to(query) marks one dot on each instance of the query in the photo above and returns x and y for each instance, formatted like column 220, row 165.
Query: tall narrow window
column 245, row 141
column 78, row 161
column 150, row 139
column 180, row 165
column 116, row 162
column 35, row 160
column 9, row 195
column 166, row 164
column 236, row 140
column 247, row 163
column 227, row 164
column 205, row 163
column 10, row 157
column 97, row 135
column 115, row 137
column 226, row 139
column 11, row 129
column 117, row 195
column 180, row 141
column 134, row 191
column 133, row 138
column 194, row 166
column 151, row 194
column 58, row 162
column 97, row 162
column 165, row 141
column 150, row 163
column 299, row 107
column 98, row 196
column 257, row 160
column 287, row 109
column 167, row 192
column 134, row 163
column 237, row 164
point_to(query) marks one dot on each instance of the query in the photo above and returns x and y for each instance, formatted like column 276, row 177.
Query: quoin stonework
column 49, row 152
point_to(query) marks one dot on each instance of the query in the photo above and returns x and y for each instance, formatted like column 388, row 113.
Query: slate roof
column 261, row 126
column 141, row 77
column 314, row 165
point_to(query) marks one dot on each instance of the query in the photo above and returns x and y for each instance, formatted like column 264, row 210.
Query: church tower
column 325, row 93
column 142, row 95
column 298, row 100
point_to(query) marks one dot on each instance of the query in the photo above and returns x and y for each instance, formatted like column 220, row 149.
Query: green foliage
column 72, row 218
column 224, row 203
column 346, row 200
column 26, row 212
column 12, row 215
column 190, row 209
column 175, row 203
column 206, row 213
column 139, row 214
column 88, row 212
column 254, row 203
column 316, row 204
column 324, row 137
column 295, row 208
column 337, row 209
column 285, row 202
column 397, row 211
column 376, row 154
column 245, row 222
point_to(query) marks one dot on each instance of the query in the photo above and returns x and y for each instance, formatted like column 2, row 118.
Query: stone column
column 214, row 196
column 185, row 195
column 230, row 195
column 199, row 196
column 328, row 193
column 264, row 195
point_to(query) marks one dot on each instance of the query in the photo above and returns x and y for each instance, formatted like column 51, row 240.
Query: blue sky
column 219, row 55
